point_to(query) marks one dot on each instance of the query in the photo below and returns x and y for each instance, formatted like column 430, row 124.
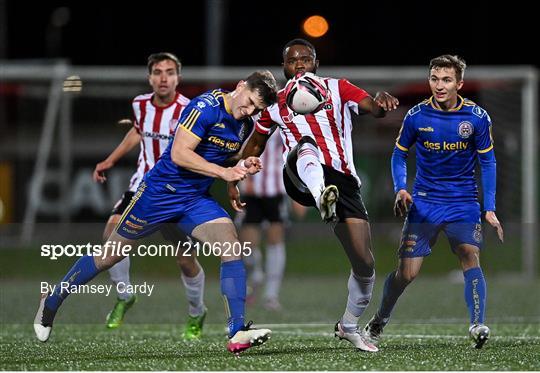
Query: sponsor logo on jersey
column 426, row 129
column 465, row 129
column 156, row 135
column 446, row 146
column 219, row 125
column 201, row 104
column 223, row 143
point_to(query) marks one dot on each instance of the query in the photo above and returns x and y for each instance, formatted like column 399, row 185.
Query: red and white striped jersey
column 330, row 127
column 156, row 126
column 268, row 182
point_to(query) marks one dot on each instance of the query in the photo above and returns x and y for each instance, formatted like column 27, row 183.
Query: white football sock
column 120, row 274
column 360, row 291
column 275, row 266
column 195, row 292
column 310, row 170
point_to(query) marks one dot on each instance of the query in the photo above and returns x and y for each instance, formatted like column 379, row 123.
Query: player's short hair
column 265, row 84
column 448, row 61
column 299, row 41
column 162, row 56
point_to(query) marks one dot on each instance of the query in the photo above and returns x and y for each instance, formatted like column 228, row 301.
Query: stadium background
column 119, row 37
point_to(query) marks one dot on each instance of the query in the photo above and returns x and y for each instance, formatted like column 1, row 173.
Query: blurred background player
column 266, row 209
column 155, row 117
column 451, row 134
column 177, row 191
column 319, row 171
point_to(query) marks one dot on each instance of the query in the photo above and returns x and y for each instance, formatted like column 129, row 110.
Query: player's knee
column 469, row 255
column 406, row 276
column 105, row 262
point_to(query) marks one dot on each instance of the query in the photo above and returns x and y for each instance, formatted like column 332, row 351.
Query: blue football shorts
column 460, row 221
column 151, row 207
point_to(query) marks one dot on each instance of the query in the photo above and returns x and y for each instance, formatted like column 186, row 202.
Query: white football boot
column 246, row 338
column 43, row 320
column 359, row 340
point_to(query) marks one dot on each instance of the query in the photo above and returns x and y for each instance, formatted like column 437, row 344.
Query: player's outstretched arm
column 183, row 154
column 130, row 140
column 379, row 105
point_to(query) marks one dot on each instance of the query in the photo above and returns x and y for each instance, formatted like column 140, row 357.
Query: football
column 305, row 93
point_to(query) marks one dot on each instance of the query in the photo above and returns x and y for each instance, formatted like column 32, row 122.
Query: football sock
column 120, row 274
column 475, row 294
column 195, row 292
column 360, row 290
column 310, row 170
column 391, row 293
column 253, row 263
column 82, row 271
column 275, row 266
column 233, row 289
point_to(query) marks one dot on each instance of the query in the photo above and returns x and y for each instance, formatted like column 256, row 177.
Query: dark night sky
column 361, row 32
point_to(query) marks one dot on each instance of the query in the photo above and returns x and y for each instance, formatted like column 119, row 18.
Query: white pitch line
column 407, row 336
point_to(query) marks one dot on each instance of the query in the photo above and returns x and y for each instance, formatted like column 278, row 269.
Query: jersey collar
column 456, row 108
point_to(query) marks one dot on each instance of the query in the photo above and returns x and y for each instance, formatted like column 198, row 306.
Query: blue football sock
column 82, row 271
column 391, row 294
column 475, row 294
column 233, row 289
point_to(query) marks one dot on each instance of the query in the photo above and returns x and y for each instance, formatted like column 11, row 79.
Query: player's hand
column 235, row 173
column 99, row 171
column 403, row 202
column 253, row 165
column 491, row 218
column 386, row 101
column 234, row 197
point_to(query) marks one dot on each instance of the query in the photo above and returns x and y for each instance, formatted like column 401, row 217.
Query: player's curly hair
column 162, row 56
column 265, row 84
column 449, row 61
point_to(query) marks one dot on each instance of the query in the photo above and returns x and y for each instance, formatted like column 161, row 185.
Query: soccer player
column 319, row 171
column 211, row 129
column 266, row 207
column 155, row 118
column 451, row 134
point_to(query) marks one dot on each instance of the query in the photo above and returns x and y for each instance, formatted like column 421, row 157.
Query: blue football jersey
column 447, row 148
column 221, row 136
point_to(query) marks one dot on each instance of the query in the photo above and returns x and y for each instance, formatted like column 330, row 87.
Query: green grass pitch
column 428, row 331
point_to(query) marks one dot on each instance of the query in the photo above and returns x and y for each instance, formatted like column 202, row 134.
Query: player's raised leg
column 220, row 233
column 84, row 270
column 355, row 238
column 475, row 292
column 310, row 172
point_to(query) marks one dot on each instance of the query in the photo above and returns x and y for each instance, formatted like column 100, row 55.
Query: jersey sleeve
column 197, row 120
column 264, row 123
column 407, row 134
column 482, row 134
column 350, row 94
